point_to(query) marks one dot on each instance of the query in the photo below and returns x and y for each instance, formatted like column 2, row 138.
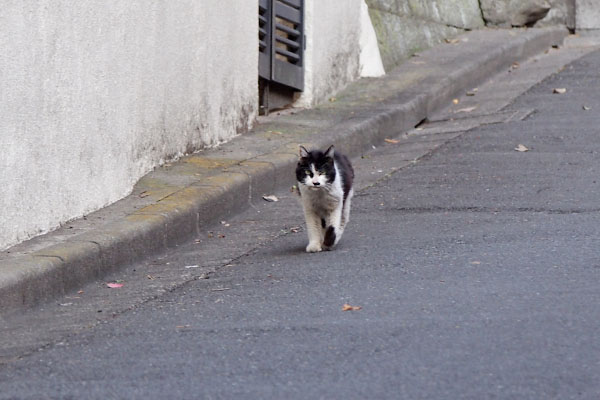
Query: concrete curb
column 172, row 204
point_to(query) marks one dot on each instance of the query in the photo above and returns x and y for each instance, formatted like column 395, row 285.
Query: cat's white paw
column 313, row 248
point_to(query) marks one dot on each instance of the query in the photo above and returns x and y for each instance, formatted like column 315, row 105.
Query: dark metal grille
column 281, row 42
column 264, row 39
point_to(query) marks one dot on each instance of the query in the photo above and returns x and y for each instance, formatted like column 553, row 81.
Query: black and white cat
column 325, row 187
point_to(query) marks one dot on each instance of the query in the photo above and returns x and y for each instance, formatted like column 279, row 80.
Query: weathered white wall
column 371, row 64
column 95, row 93
column 587, row 14
column 332, row 29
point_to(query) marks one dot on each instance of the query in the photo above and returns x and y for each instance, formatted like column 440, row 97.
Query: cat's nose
column 316, row 183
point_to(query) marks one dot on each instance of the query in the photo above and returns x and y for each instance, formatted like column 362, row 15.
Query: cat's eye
column 307, row 172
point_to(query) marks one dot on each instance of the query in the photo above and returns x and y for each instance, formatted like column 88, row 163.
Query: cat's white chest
column 322, row 200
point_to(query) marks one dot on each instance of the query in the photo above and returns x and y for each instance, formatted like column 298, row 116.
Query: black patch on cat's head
column 323, row 161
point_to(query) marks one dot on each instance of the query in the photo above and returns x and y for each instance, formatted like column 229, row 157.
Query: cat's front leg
column 314, row 230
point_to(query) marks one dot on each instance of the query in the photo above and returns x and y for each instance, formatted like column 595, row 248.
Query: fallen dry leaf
column 559, row 91
column 521, row 148
column 114, row 285
column 586, row 108
column 144, row 194
column 393, row 141
column 80, row 292
column 150, row 277
column 455, row 101
column 348, row 307
column 295, row 229
column 452, row 41
column 466, row 109
column 332, row 99
column 270, row 198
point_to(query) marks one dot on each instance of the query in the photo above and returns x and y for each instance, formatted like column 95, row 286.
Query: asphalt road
column 477, row 269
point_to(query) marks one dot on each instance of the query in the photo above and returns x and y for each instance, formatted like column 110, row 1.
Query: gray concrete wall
column 95, row 94
column 406, row 26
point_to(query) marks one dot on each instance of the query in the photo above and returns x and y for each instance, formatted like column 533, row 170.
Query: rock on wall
column 405, row 26
column 95, row 94
column 507, row 13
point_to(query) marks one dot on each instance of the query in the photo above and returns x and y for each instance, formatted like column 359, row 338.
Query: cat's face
column 315, row 168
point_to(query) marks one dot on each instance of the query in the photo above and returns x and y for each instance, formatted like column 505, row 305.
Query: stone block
column 514, row 12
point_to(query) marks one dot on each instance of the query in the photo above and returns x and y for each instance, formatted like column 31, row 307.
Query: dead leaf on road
column 452, row 41
column 521, row 148
column 466, row 109
column 455, row 101
column 113, row 285
column 559, row 91
column 586, row 108
column 295, row 229
column 393, row 141
column 348, row 307
column 271, row 198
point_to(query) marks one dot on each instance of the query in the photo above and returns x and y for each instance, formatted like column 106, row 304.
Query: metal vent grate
column 264, row 39
column 281, row 42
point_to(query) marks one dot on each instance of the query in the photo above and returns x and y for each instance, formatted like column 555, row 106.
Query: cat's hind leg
column 346, row 210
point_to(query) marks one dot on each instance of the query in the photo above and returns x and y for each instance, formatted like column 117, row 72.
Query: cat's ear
column 303, row 152
column 329, row 152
